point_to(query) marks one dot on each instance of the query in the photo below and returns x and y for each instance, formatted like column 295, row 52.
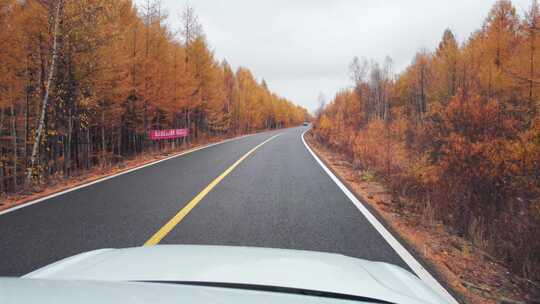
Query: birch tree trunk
column 50, row 78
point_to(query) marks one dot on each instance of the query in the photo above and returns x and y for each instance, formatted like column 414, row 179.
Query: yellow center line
column 158, row 236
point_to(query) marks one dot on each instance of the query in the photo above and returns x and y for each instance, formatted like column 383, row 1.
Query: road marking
column 420, row 271
column 118, row 174
column 158, row 236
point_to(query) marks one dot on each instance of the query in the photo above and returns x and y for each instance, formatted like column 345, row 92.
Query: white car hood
column 243, row 265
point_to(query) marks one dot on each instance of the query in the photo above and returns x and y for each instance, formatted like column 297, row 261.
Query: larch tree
column 460, row 137
column 83, row 82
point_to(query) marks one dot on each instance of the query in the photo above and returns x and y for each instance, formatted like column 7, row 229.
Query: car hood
column 244, row 265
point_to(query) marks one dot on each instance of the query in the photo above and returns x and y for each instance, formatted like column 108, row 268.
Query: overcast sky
column 303, row 47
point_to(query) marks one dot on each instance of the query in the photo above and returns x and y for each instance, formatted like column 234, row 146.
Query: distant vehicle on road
column 208, row 274
column 306, row 123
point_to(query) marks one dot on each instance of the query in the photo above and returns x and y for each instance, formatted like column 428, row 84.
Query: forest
column 83, row 82
column 456, row 134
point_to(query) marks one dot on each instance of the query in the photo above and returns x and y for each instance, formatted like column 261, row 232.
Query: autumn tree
column 456, row 133
column 83, row 82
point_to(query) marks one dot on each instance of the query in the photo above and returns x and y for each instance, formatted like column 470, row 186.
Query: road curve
column 278, row 197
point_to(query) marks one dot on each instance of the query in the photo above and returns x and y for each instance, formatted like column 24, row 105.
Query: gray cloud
column 303, row 47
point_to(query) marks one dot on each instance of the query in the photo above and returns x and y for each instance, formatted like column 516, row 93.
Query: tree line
column 83, row 82
column 456, row 135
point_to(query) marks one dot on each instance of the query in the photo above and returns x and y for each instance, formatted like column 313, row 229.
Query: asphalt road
column 279, row 196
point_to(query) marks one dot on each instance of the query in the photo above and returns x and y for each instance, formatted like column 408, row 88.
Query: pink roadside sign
column 168, row 134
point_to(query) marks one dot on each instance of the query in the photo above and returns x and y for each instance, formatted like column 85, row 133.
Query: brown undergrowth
column 470, row 272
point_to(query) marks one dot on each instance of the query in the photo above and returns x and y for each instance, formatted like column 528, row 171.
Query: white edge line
column 121, row 173
column 420, row 271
